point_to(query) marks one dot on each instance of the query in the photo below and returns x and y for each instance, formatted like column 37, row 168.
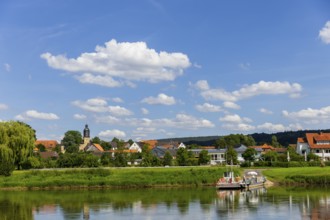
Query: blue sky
column 149, row 69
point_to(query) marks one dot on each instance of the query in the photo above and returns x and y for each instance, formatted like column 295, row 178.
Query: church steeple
column 86, row 132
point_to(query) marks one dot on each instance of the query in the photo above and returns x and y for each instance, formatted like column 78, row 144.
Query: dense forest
column 284, row 138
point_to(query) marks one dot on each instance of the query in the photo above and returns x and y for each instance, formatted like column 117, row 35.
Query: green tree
column 96, row 140
column 147, row 157
column 41, row 147
column 120, row 159
column 20, row 138
column 182, row 157
column 234, row 139
column 275, row 142
column 6, row 160
column 167, row 160
column 249, row 154
column 312, row 157
column 71, row 141
column 231, row 156
column 270, row 156
column 204, row 157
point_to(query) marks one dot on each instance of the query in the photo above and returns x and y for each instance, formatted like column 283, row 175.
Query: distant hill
column 284, row 138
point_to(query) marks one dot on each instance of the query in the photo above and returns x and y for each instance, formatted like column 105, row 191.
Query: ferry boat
column 251, row 179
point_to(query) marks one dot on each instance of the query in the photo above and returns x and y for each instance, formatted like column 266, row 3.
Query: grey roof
column 160, row 151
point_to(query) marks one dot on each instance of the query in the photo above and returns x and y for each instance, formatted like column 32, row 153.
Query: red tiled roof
column 49, row 144
column 301, row 140
column 264, row 147
column 99, row 147
column 313, row 137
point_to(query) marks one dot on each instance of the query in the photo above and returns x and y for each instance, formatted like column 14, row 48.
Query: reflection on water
column 272, row 203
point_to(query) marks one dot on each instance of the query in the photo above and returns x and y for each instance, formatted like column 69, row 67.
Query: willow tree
column 17, row 142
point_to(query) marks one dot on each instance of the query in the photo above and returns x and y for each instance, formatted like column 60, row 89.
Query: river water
column 158, row 204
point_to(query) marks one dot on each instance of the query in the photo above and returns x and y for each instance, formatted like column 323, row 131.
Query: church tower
column 86, row 135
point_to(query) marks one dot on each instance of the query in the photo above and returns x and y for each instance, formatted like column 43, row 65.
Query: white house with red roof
column 316, row 143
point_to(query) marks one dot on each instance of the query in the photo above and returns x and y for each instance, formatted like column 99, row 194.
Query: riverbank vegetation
column 303, row 176
column 113, row 178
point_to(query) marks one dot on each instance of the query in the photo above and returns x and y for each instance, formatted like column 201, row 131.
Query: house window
column 317, row 151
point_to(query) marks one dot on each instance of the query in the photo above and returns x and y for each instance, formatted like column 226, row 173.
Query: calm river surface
column 138, row 204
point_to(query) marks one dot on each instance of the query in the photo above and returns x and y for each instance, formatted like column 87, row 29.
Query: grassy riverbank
column 113, row 178
column 152, row 177
column 299, row 176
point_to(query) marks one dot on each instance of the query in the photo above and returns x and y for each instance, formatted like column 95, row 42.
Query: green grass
column 113, row 177
column 299, row 175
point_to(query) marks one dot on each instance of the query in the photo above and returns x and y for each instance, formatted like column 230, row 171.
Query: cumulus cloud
column 161, row 99
column 117, row 99
column 101, row 105
column 324, row 33
column 231, row 105
column 265, row 111
column 144, row 111
column 182, row 121
column 248, row 91
column 100, row 80
column 309, row 115
column 3, row 106
column 207, row 107
column 234, row 118
column 112, row 133
column 241, row 127
column 268, row 88
column 122, row 60
column 79, row 116
column 33, row 114
column 271, row 127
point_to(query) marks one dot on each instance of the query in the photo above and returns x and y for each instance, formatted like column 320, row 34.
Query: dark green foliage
column 41, row 147
column 270, row 156
column 32, row 163
column 204, row 157
column 120, row 159
column 231, row 156
column 249, row 154
column 167, row 160
column 233, row 140
column 80, row 159
column 71, row 141
column 182, row 157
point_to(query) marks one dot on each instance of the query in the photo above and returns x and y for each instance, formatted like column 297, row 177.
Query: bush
column 32, row 163
column 6, row 168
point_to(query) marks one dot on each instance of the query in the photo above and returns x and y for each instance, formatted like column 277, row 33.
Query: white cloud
column 7, row 67
column 241, row 127
column 79, row 116
column 112, row 133
column 271, row 127
column 182, row 121
column 234, row 118
column 207, row 107
column 100, row 105
column 265, row 111
column 231, row 105
column 268, row 88
column 324, row 33
column 144, row 111
column 247, row 91
column 126, row 60
column 3, row 106
column 118, row 100
column 310, row 115
column 202, row 85
column 162, row 99
column 100, row 80
column 33, row 114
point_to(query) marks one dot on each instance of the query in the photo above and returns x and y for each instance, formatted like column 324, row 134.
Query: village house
column 48, row 144
column 316, row 143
